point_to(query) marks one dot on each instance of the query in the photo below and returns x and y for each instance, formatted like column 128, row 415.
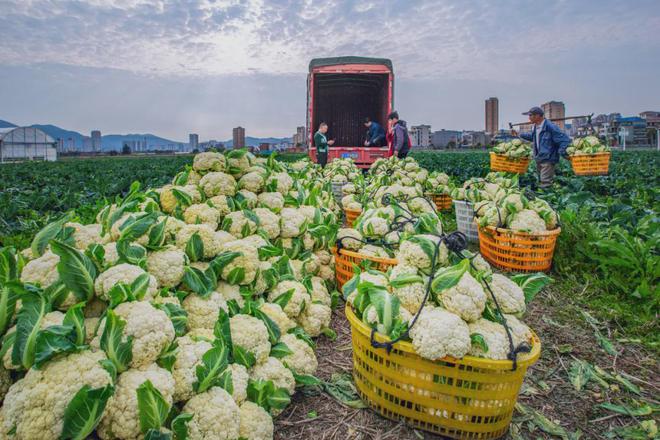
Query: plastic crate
column 499, row 162
column 465, row 220
column 345, row 259
column 469, row 398
column 597, row 164
column 351, row 215
column 515, row 251
column 442, row 201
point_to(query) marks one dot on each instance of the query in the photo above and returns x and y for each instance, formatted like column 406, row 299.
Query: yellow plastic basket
column 500, row 162
column 442, row 201
column 469, row 398
column 351, row 216
column 597, row 164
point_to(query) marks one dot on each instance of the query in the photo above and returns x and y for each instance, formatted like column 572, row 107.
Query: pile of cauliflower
column 498, row 201
column 186, row 311
column 458, row 314
column 586, row 145
column 514, row 149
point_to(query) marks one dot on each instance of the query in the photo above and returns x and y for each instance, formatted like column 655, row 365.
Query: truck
column 342, row 91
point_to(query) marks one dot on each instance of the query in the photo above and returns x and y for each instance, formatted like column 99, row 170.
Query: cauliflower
column 252, row 181
column 218, row 183
column 188, row 356
column 272, row 200
column 266, row 278
column 373, row 251
column 418, row 251
column 251, row 334
column 203, row 311
column 150, row 328
column 229, row 292
column 212, row 241
column 466, row 299
column 320, row 291
column 283, row 182
column 519, row 331
column 167, row 266
column 315, row 318
column 239, row 162
column 256, row 423
column 246, row 262
column 238, row 225
column 221, row 204
column 248, row 198
column 346, row 235
column 84, row 235
column 122, row 273
column 239, row 380
column 41, row 271
column 527, row 221
column 302, row 360
column 209, row 161
column 269, row 222
column 169, row 202
column 121, row 417
column 293, row 222
column 374, row 227
column 411, row 295
column 439, row 333
column 201, row 213
column 508, row 294
column 495, row 337
column 273, row 369
column 215, row 416
column 5, row 383
column 299, row 300
column 34, row 406
column 275, row 312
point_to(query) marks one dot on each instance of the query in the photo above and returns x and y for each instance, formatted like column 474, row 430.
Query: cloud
column 425, row 39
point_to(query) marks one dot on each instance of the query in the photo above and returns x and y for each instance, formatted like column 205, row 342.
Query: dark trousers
column 402, row 153
column 378, row 142
column 322, row 158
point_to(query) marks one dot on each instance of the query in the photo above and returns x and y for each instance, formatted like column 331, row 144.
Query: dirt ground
column 566, row 335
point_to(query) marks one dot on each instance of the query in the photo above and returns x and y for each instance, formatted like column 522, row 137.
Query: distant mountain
column 60, row 133
column 116, row 141
column 5, row 124
column 254, row 141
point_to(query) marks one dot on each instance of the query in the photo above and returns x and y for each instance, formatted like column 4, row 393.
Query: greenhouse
column 26, row 143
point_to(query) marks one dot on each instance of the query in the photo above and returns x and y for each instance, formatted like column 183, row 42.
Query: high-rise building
column 301, row 135
column 87, row 144
column 96, row 141
column 555, row 110
column 420, row 136
column 193, row 140
column 238, row 137
column 492, row 115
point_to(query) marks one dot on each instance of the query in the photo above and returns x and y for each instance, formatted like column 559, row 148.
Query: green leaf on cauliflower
column 177, row 315
column 195, row 248
column 120, row 352
column 157, row 235
column 84, row 412
column 387, row 307
column 447, row 277
column 180, row 426
column 8, row 265
column 283, row 299
column 226, row 382
column 76, row 270
column 198, row 281
column 243, row 357
column 152, row 407
column 274, row 332
column 167, row 357
column 214, row 362
column 75, row 318
column 531, row 284
column 478, row 340
column 47, row 234
column 280, row 350
column 8, row 297
column 236, row 275
column 34, row 308
column 52, row 341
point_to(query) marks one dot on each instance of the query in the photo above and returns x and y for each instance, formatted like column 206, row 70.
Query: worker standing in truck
column 400, row 137
column 321, row 143
column 548, row 142
column 375, row 133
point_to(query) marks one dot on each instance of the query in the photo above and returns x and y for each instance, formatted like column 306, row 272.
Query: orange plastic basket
column 345, row 259
column 351, row 215
column 499, row 162
column 518, row 251
column 442, row 201
column 469, row 398
column 597, row 164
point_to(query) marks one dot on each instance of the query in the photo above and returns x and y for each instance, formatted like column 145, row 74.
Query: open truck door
column 341, row 92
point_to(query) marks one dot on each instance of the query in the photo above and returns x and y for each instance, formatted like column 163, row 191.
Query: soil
column 566, row 336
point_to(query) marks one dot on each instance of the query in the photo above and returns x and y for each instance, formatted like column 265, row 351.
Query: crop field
column 598, row 376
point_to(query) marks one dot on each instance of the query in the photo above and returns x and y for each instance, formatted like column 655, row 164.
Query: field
column 601, row 310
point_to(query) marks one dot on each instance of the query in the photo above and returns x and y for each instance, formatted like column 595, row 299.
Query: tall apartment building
column 420, row 136
column 238, row 137
column 492, row 115
column 300, row 137
column 193, row 141
column 555, row 109
column 96, row 141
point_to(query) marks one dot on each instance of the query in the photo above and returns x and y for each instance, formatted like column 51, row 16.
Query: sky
column 202, row 66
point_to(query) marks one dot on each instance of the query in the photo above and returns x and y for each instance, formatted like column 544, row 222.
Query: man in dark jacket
column 548, row 142
column 375, row 133
column 400, row 138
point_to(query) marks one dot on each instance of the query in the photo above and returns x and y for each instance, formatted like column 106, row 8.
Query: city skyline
column 153, row 67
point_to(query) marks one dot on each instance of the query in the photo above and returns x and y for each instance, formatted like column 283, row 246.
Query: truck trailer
column 341, row 92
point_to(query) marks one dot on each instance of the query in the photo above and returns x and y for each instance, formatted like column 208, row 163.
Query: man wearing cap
column 549, row 143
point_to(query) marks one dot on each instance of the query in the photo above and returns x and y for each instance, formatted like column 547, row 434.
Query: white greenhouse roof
column 24, row 135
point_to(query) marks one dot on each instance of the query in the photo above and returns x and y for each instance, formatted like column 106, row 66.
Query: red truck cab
column 341, row 92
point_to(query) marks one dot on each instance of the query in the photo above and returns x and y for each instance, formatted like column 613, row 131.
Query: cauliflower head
column 315, row 318
column 209, row 161
column 218, row 183
column 215, row 416
column 122, row 273
column 188, row 357
column 201, row 213
column 203, row 311
column 467, row 299
column 251, row 334
column 256, row 423
column 439, row 333
column 167, row 266
column 303, row 359
column 273, row 369
column 508, row 294
column 41, row 271
column 299, row 300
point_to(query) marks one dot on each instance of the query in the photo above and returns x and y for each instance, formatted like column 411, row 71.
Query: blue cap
column 534, row 111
